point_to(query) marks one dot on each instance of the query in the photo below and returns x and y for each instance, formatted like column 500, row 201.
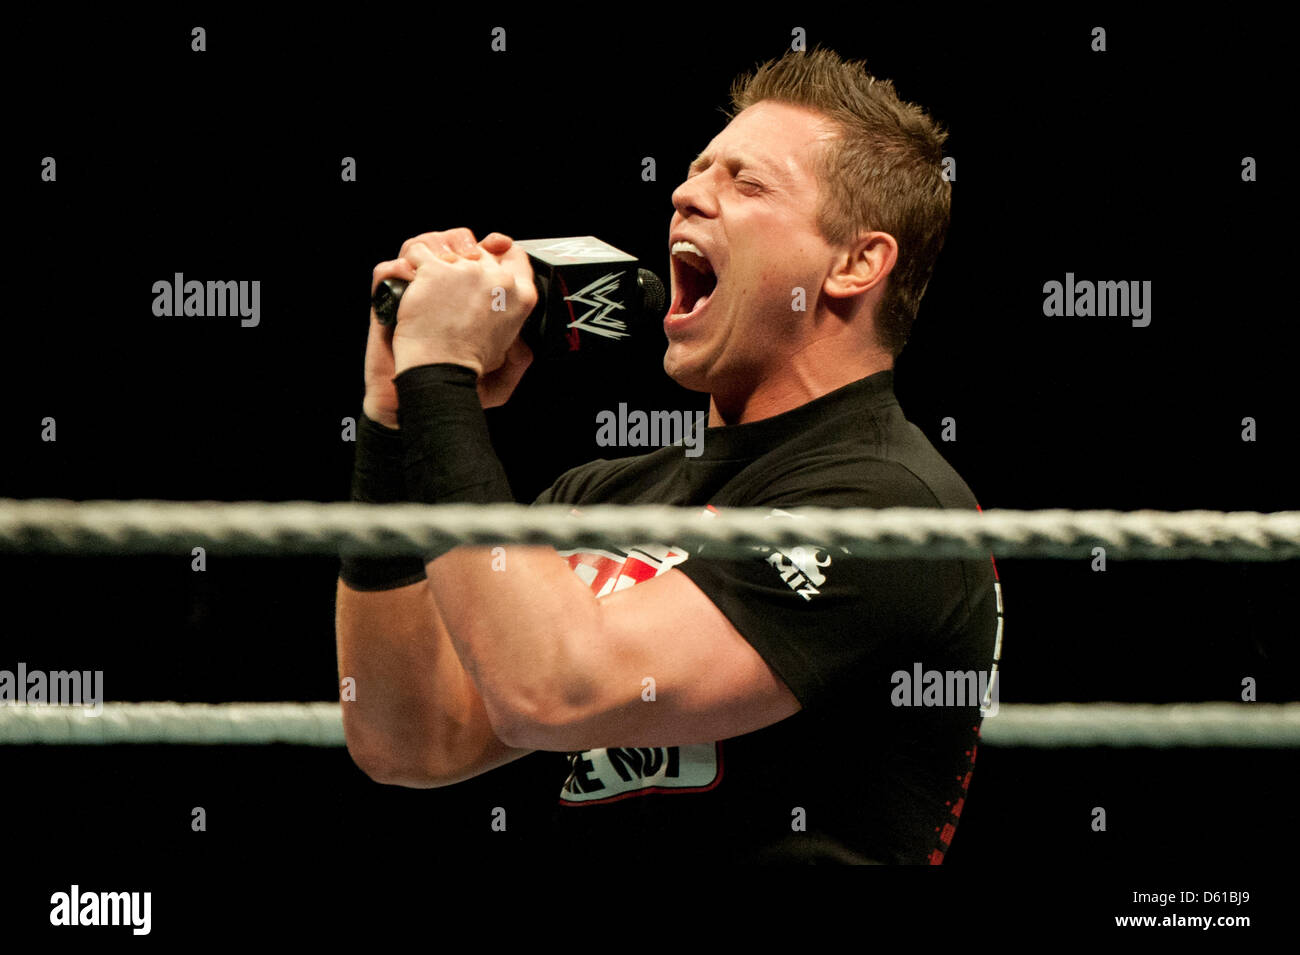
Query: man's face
column 749, row 205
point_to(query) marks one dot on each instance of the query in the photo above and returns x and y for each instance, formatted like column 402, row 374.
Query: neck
column 813, row 371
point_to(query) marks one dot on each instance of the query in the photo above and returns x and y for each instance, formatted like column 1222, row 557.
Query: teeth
column 690, row 253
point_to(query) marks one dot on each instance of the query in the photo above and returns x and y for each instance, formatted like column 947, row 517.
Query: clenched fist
column 464, row 304
column 463, row 309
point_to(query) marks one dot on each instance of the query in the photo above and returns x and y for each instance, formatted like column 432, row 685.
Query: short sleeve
column 566, row 488
column 576, row 484
column 825, row 619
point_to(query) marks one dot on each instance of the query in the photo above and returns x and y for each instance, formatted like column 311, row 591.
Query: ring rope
column 1267, row 725
column 139, row 527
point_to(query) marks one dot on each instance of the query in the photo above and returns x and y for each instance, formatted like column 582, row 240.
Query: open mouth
column 694, row 277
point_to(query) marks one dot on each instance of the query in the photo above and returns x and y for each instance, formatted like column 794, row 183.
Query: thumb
column 496, row 387
column 519, row 353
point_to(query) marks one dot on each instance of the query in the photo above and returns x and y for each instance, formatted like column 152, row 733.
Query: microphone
column 588, row 296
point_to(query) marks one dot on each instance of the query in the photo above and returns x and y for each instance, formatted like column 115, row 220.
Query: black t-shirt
column 856, row 775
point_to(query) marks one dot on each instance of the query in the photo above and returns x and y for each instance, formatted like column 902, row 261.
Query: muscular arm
column 417, row 719
column 560, row 669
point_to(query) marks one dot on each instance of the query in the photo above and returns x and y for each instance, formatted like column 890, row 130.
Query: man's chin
column 681, row 369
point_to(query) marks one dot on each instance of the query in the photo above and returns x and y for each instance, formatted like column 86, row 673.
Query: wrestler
column 731, row 709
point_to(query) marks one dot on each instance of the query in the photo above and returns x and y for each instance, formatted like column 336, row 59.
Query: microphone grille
column 653, row 296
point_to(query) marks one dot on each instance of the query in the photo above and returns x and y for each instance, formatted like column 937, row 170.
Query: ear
column 862, row 266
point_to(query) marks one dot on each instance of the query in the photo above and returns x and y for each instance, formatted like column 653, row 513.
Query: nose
column 695, row 196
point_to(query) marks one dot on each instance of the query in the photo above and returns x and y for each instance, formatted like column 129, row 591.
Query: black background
column 1122, row 165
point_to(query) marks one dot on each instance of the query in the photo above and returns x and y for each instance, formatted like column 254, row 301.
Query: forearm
column 514, row 626
column 415, row 719
column 410, row 714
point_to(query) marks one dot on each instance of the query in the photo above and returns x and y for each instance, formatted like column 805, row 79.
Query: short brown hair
column 882, row 173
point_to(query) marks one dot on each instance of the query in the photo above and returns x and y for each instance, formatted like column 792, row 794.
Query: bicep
column 665, row 667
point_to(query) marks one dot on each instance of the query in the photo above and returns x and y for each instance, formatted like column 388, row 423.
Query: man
column 731, row 709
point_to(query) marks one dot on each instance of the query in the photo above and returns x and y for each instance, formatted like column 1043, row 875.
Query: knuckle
column 422, row 238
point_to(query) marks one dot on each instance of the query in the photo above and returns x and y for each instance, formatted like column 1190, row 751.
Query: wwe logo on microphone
column 597, row 319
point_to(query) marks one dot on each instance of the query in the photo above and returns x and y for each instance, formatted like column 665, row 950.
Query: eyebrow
column 705, row 158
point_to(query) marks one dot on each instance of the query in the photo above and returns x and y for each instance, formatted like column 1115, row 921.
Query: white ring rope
column 156, row 527
column 1269, row 725
column 52, row 526
column 232, row 724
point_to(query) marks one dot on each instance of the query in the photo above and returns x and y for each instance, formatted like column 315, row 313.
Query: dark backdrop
column 1122, row 165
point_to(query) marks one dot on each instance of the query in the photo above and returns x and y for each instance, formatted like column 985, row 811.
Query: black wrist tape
column 448, row 454
column 378, row 478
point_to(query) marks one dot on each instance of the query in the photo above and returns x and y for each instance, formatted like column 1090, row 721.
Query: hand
column 466, row 309
column 494, row 388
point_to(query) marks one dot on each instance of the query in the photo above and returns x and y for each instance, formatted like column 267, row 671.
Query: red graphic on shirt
column 607, row 567
column 605, row 571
